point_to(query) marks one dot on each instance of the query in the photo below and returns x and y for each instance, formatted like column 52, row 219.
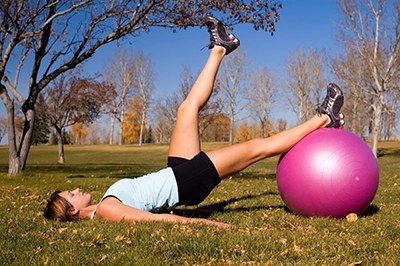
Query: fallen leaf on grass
column 61, row 230
column 102, row 258
column 283, row 241
column 283, row 253
column 297, row 248
column 38, row 249
column 356, row 263
column 351, row 242
column 352, row 217
column 119, row 238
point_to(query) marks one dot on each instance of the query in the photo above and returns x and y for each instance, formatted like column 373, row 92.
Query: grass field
column 264, row 232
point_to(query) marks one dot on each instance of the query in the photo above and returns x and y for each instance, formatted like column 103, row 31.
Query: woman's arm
column 111, row 209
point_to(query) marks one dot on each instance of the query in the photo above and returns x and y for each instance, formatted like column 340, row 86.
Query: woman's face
column 77, row 198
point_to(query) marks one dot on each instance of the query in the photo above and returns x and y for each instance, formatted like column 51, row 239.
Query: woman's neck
column 86, row 213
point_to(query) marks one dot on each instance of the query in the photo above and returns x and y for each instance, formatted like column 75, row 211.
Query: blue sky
column 303, row 22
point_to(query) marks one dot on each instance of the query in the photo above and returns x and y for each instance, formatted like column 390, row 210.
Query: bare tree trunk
column 231, row 128
column 111, row 136
column 377, row 120
column 142, row 125
column 60, row 142
column 121, row 125
column 262, row 124
column 14, row 161
column 301, row 115
column 17, row 158
column 14, row 166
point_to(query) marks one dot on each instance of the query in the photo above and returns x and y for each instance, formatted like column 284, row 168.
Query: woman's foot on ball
column 331, row 106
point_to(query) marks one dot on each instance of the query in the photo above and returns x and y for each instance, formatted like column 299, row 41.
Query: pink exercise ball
column 330, row 173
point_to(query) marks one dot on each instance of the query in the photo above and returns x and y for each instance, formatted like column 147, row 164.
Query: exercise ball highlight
column 330, row 172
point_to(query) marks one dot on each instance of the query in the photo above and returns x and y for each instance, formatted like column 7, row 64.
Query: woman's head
column 65, row 205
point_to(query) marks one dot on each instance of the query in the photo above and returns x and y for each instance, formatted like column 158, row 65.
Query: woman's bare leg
column 185, row 140
column 232, row 159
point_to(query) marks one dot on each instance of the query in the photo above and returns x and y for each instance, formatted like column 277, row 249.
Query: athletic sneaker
column 331, row 105
column 219, row 35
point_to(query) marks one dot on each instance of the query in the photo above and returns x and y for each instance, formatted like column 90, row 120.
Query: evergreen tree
column 41, row 128
column 52, row 137
column 149, row 138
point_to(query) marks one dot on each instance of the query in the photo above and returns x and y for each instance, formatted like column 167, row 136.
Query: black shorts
column 196, row 178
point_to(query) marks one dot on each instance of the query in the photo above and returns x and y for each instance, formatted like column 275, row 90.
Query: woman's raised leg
column 185, row 140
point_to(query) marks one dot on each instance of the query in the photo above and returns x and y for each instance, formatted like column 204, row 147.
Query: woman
column 191, row 174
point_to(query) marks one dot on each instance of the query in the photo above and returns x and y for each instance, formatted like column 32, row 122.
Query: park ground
column 264, row 232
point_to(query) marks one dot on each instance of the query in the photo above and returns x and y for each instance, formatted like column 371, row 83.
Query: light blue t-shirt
column 149, row 193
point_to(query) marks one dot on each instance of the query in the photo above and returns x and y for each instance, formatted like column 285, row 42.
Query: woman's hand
column 175, row 218
column 219, row 224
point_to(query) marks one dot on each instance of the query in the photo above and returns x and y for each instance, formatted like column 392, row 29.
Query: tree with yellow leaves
column 132, row 121
column 79, row 131
column 244, row 133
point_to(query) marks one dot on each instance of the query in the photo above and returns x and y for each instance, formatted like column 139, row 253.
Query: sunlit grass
column 263, row 232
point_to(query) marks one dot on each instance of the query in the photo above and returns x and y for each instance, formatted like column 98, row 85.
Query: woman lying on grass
column 191, row 174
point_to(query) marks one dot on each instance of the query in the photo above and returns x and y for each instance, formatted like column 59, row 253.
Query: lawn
column 263, row 232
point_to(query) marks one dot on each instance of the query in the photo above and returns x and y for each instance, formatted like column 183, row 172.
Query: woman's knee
column 187, row 108
column 255, row 148
column 263, row 147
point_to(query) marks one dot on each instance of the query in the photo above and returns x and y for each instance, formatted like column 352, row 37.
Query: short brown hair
column 57, row 208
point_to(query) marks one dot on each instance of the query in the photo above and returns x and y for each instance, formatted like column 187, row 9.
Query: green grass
column 263, row 231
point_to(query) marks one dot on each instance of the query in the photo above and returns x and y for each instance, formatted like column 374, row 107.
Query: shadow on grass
column 255, row 175
column 89, row 170
column 388, row 152
column 371, row 210
column 208, row 210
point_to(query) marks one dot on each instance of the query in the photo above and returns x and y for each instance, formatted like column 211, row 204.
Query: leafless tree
column 260, row 96
column 143, row 85
column 305, row 81
column 51, row 37
column 119, row 71
column 373, row 28
column 231, row 80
